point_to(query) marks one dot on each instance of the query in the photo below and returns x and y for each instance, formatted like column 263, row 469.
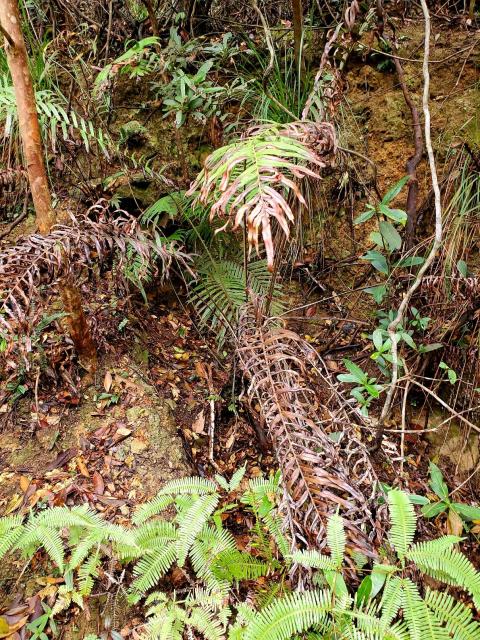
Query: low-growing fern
column 192, row 537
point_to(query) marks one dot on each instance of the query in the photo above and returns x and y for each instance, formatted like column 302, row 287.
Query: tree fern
column 403, row 521
column 220, row 292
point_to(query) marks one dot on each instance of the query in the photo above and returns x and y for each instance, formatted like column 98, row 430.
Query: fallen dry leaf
column 24, row 483
column 198, row 425
column 107, row 381
column 98, row 484
column 82, row 467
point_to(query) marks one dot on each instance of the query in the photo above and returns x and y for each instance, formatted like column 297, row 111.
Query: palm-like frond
column 250, row 181
column 403, row 522
column 314, row 560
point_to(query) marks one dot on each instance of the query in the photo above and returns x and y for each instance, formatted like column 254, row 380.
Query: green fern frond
column 391, row 600
column 192, row 522
column 421, row 622
column 155, row 532
column 314, row 560
column 11, row 530
column 336, row 539
column 220, row 292
column 206, row 624
column 83, row 547
column 67, row 517
column 457, row 618
column 294, row 614
column 403, row 521
column 432, row 548
column 452, row 568
column 274, row 524
column 237, row 565
column 152, row 567
column 151, row 508
column 194, row 485
column 86, row 574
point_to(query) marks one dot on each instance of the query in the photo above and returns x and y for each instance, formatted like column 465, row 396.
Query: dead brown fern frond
column 39, row 261
column 324, row 464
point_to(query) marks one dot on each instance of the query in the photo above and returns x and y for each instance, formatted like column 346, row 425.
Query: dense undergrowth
column 230, row 168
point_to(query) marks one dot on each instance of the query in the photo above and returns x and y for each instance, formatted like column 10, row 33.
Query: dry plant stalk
column 321, row 473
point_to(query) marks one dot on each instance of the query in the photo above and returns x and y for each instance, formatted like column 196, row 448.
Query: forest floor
column 163, row 393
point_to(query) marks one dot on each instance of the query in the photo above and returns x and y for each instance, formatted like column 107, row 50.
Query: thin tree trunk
column 152, row 17
column 297, row 8
column 29, row 128
column 27, row 113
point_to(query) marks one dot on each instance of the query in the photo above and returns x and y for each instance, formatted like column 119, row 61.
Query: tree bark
column 27, row 113
column 29, row 128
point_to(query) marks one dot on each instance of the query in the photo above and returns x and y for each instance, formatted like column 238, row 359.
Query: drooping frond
column 403, row 522
column 315, row 469
column 192, row 522
column 294, row 614
column 44, row 259
column 457, row 618
column 249, row 181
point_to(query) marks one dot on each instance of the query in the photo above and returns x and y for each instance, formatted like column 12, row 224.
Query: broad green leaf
column 395, row 190
column 364, row 591
column 390, row 235
column 377, row 338
column 363, row 217
column 437, row 482
column 433, row 509
column 466, row 511
column 462, row 268
column 377, row 260
column 397, row 215
column 377, row 292
column 426, row 348
column 354, row 370
column 410, row 261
